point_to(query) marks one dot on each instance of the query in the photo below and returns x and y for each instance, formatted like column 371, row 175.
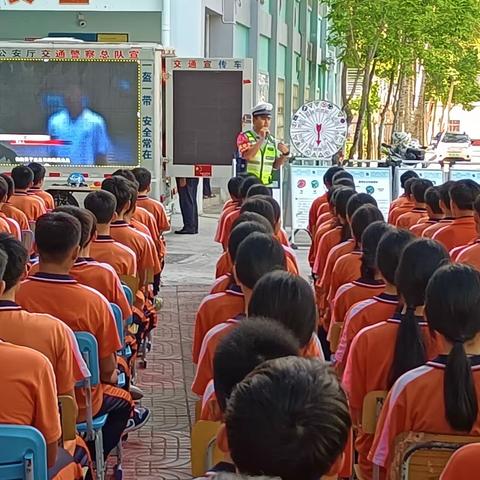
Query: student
column 31, row 205
column 445, row 206
column 230, row 205
column 462, row 229
column 383, row 352
column 232, row 216
column 83, row 309
column 104, row 248
column 419, row 211
column 342, row 175
column 380, row 307
column 434, row 212
column 238, row 235
column 37, row 188
column 441, row 396
column 470, row 254
column 277, row 228
column 156, row 208
column 7, row 224
column 369, row 283
column 462, row 463
column 122, row 232
column 224, row 264
column 406, row 206
column 261, row 206
column 403, row 198
column 254, row 341
column 288, row 419
column 259, row 189
column 321, row 200
column 257, row 255
column 9, row 210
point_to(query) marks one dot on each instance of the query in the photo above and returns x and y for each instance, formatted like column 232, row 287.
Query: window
column 296, row 98
column 453, row 127
column 281, row 108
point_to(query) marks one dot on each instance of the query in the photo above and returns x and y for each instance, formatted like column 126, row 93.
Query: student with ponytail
column 381, row 353
column 440, row 396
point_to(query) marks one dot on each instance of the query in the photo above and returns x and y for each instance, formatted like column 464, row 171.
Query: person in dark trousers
column 207, row 189
column 187, row 191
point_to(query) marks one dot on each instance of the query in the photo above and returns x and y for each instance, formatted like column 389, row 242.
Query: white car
column 452, row 147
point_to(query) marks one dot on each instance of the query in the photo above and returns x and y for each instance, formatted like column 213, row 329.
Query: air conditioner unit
column 229, row 11
column 310, row 51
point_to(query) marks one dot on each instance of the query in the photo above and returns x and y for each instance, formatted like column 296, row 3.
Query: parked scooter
column 403, row 151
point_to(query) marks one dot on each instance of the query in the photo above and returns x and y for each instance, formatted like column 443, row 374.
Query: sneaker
column 141, row 415
column 158, row 303
column 136, row 392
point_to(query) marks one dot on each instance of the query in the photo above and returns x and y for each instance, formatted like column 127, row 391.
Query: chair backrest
column 68, row 416
column 421, row 456
column 23, row 453
column 117, row 313
column 335, row 331
column 88, row 346
column 131, row 282
column 27, row 239
column 128, row 293
column 205, row 452
column 372, row 406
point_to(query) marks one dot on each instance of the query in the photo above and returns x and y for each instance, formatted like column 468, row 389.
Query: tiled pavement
column 161, row 449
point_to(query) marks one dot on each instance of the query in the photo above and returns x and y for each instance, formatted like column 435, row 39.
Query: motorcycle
column 403, row 151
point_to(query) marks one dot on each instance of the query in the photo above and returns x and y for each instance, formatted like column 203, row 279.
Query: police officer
column 258, row 148
column 187, row 193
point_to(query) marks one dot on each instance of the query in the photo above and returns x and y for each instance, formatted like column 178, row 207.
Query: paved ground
column 161, row 450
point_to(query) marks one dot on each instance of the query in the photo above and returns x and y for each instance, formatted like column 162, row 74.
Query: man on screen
column 83, row 131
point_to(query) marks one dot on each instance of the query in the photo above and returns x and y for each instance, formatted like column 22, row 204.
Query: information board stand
column 435, row 175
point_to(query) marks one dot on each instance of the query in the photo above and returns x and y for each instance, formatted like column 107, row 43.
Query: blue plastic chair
column 128, row 293
column 88, row 346
column 23, row 453
column 124, row 352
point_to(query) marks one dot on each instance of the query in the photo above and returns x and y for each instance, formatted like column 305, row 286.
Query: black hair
column 341, row 200
column 452, row 306
column 277, row 212
column 253, row 342
column 408, row 185
column 10, row 184
column 17, row 256
column 102, row 204
column 342, row 174
column 432, row 199
column 240, row 233
column 419, row 187
column 362, row 218
column 357, row 200
column 3, row 189
column 121, row 189
column 56, row 235
column 3, row 263
column 259, row 189
column 246, row 184
column 143, row 177
column 22, row 177
column 290, row 300
column 370, row 240
column 389, row 250
column 233, row 187
column 253, row 217
column 87, row 221
column 256, row 256
column 331, row 192
column 260, row 206
column 38, row 172
column 345, row 182
column 289, row 419
column 128, row 174
column 407, row 176
column 444, row 191
column 328, row 175
column 464, row 193
column 418, row 262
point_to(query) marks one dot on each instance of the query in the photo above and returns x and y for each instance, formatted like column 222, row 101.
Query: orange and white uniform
column 470, row 255
column 45, row 196
column 227, row 209
column 459, row 232
column 157, row 209
column 462, row 463
column 407, row 220
column 31, row 205
column 405, row 207
column 120, row 257
column 222, row 283
column 421, row 226
column 346, row 269
column 227, row 227
column 328, row 241
column 430, row 231
column 313, row 213
column 13, row 212
column 320, row 231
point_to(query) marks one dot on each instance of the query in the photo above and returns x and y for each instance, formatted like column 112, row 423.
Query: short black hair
column 444, row 191
column 22, row 177
column 125, row 173
column 4, row 190
column 87, row 221
column 277, row 212
column 289, row 418
column 406, row 176
column 143, row 177
column 328, row 175
column 260, row 206
column 288, row 299
column 408, row 185
column 419, row 187
column 370, row 239
column 362, row 218
column 233, row 187
column 3, row 263
column 256, row 256
column 240, row 233
column 10, row 184
column 253, row 217
column 38, row 172
column 121, row 188
column 464, row 193
column 102, row 204
column 342, row 174
column 259, row 189
column 341, row 200
column 432, row 199
column 17, row 256
column 357, row 200
column 345, row 182
column 254, row 341
column 56, row 235
column 247, row 182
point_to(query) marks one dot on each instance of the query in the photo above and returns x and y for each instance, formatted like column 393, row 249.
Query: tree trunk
column 369, row 116
column 396, row 106
column 433, row 120
column 384, row 111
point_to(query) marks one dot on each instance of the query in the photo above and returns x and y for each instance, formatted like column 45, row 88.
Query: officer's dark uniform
column 188, row 205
